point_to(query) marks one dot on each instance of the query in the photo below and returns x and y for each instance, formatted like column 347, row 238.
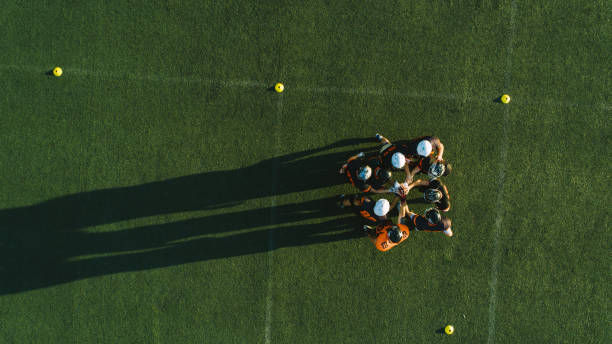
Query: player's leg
column 370, row 232
column 382, row 139
column 343, row 169
column 357, row 201
column 349, row 201
column 447, row 227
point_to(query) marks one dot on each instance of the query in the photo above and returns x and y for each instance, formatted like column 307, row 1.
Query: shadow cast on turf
column 41, row 244
column 290, row 173
column 38, row 259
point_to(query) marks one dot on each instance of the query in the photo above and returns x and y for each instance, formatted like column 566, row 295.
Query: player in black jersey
column 423, row 146
column 431, row 222
column 434, row 192
column 368, row 175
column 365, row 207
column 430, row 166
column 392, row 155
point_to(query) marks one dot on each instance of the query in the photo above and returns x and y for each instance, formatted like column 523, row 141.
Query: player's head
column 364, row 173
column 432, row 195
column 383, row 175
column 433, row 216
column 398, row 160
column 437, row 169
column 424, row 148
column 395, row 234
column 381, row 208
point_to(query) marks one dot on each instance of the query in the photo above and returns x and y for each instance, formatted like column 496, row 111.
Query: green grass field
column 159, row 192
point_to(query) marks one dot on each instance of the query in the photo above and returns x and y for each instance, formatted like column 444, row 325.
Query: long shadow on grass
column 40, row 245
column 294, row 172
column 36, row 257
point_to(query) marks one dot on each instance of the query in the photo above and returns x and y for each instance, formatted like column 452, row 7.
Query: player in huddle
column 423, row 146
column 392, row 156
column 374, row 212
column 387, row 235
column 434, row 192
column 431, row 222
column 368, row 175
column 428, row 165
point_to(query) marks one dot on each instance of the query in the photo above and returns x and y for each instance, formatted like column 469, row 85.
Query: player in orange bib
column 387, row 235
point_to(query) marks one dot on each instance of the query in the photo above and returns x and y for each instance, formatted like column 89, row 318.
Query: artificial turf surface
column 159, row 192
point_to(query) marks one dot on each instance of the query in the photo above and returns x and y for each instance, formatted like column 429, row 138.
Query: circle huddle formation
column 373, row 174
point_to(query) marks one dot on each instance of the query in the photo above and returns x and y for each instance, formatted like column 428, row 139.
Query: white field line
column 110, row 75
column 271, row 242
column 364, row 91
column 501, row 181
column 268, row 324
column 370, row 91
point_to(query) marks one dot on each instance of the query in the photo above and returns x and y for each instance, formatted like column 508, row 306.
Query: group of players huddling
column 371, row 175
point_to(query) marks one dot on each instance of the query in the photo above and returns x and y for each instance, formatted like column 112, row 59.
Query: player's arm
column 358, row 155
column 379, row 191
column 382, row 139
column 374, row 232
column 343, row 168
column 371, row 232
column 404, row 211
column 439, row 148
column 445, row 191
column 363, row 187
column 419, row 182
column 411, row 173
column 394, row 202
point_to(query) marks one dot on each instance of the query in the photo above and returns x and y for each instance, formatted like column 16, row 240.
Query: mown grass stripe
column 499, row 216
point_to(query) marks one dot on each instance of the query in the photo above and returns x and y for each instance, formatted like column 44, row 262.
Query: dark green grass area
column 160, row 192
column 556, row 255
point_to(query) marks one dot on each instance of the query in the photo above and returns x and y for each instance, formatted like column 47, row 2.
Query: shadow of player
column 38, row 258
column 289, row 173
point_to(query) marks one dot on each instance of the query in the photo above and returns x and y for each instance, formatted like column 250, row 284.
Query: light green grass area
column 159, row 192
